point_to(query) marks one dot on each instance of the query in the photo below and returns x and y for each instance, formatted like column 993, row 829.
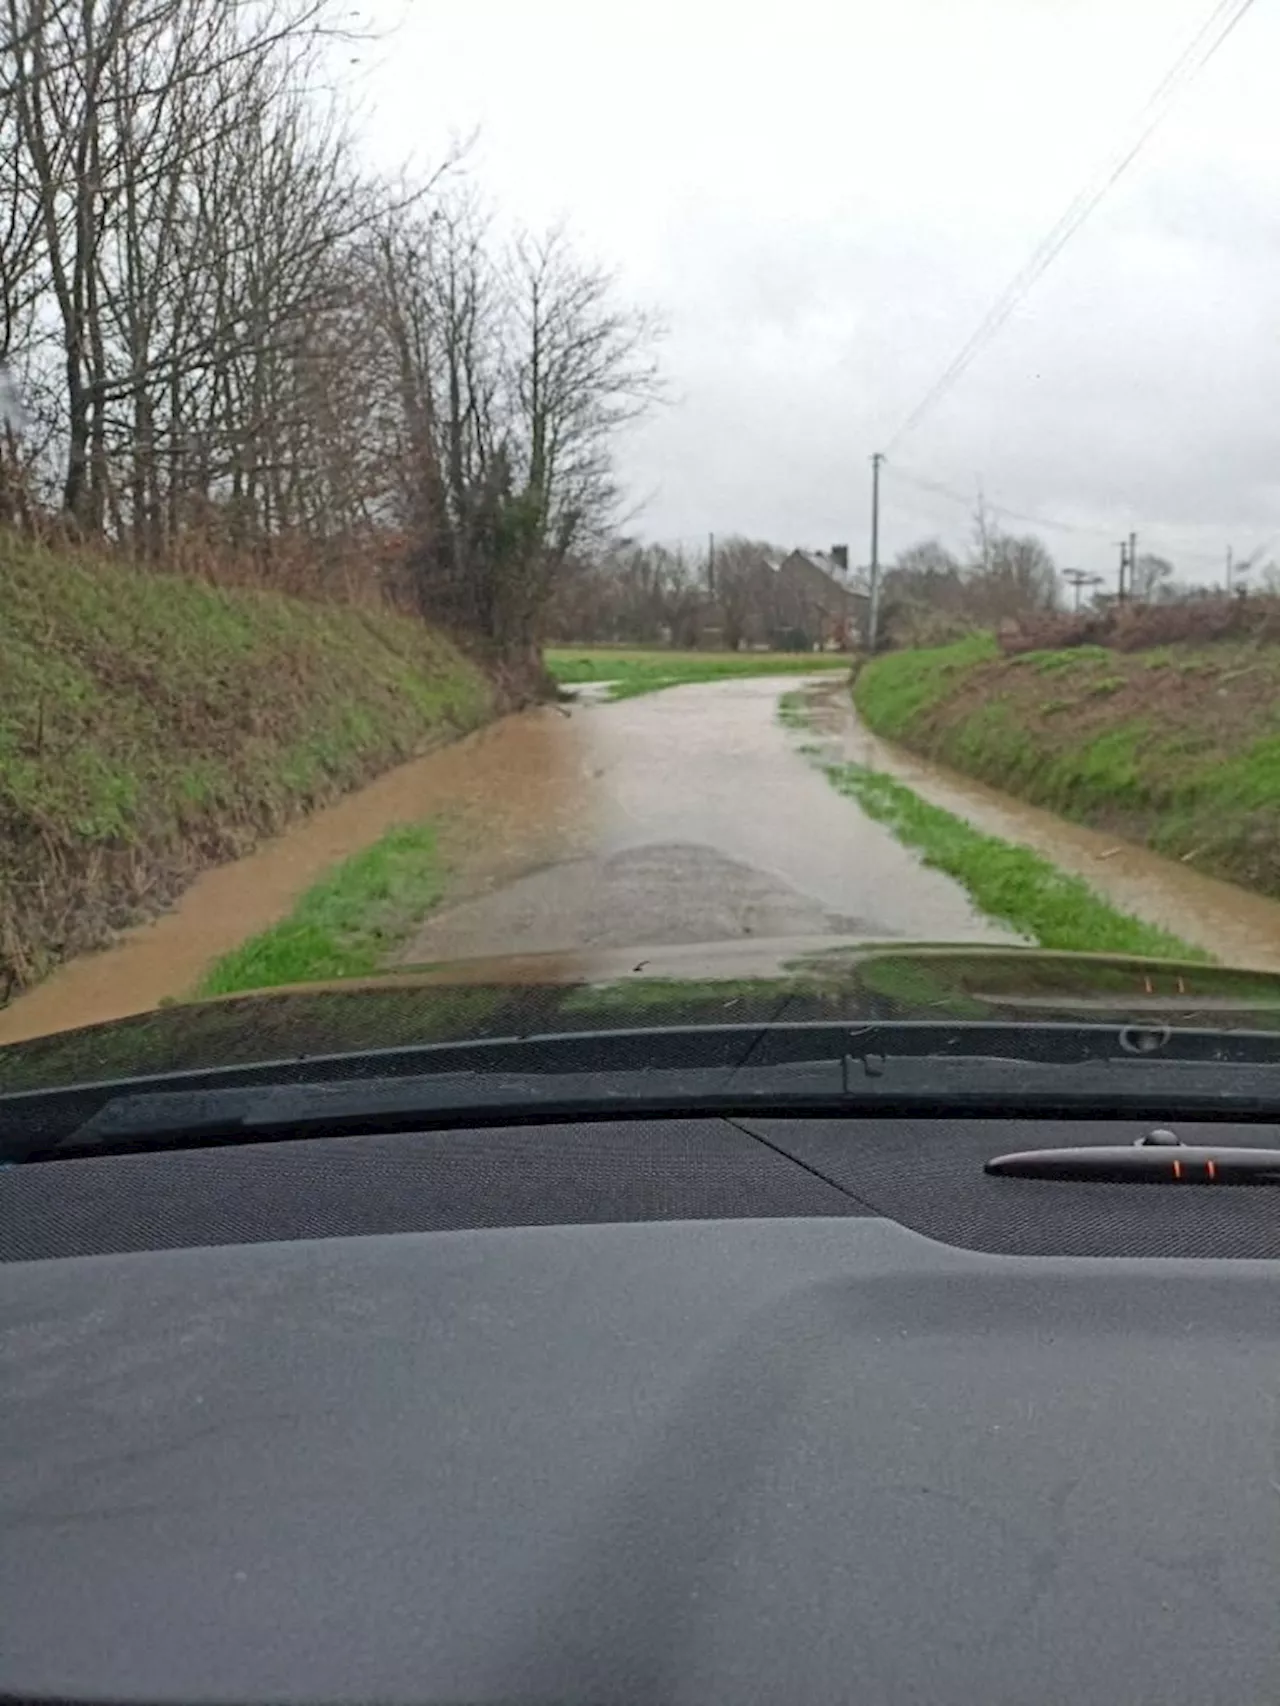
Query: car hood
column 724, row 983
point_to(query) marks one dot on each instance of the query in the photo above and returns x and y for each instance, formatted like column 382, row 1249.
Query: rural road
column 678, row 817
column 688, row 816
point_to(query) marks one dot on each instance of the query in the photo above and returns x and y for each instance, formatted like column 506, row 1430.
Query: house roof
column 852, row 581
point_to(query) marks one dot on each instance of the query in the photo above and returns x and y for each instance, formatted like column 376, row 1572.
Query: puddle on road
column 1237, row 927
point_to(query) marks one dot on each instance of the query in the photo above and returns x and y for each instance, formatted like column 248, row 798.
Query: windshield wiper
column 978, row 1069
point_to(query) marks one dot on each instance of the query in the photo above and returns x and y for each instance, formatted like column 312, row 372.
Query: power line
column 968, row 500
column 1189, row 64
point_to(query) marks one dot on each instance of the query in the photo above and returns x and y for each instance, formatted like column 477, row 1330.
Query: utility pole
column 1077, row 578
column 873, row 612
column 1230, row 569
column 711, row 564
column 1133, row 564
column 1124, row 561
column 984, row 536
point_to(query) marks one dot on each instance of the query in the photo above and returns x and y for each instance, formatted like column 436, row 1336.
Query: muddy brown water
column 695, row 819
column 684, row 816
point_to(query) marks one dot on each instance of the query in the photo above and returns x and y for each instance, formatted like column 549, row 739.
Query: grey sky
column 824, row 196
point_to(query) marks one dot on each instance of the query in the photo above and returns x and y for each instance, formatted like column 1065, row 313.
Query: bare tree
column 1018, row 578
column 177, row 199
column 535, row 371
column 231, row 340
column 743, row 590
column 1150, row 579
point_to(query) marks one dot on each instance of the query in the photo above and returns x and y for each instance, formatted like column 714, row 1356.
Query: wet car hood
column 724, row 983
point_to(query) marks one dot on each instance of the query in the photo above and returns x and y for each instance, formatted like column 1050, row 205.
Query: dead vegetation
column 1143, row 627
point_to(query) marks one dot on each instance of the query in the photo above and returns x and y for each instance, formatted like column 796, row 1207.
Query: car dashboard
column 638, row 1411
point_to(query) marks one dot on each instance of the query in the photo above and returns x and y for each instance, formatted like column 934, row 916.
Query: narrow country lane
column 684, row 816
column 692, row 818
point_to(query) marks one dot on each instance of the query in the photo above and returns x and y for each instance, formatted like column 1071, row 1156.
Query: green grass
column 1175, row 748
column 793, row 713
column 151, row 725
column 635, row 672
column 893, row 690
column 347, row 924
column 1007, row 883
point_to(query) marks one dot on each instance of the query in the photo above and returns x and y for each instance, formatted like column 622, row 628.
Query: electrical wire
column 944, row 491
column 969, row 500
column 1224, row 18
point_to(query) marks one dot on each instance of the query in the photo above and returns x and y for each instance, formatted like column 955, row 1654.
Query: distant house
column 817, row 602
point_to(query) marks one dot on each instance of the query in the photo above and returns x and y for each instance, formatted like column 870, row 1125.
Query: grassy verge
column 151, row 726
column 1177, row 747
column 634, row 672
column 347, row 924
column 1006, row 882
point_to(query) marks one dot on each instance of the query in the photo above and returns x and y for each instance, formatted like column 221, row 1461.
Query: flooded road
column 694, row 819
column 679, row 817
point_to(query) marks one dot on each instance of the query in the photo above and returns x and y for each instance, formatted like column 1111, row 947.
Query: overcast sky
column 823, row 197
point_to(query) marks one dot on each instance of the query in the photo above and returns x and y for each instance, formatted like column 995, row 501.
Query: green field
column 151, row 725
column 1177, row 748
column 633, row 672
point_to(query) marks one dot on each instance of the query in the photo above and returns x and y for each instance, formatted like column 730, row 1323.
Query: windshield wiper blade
column 169, row 1119
column 991, row 1070
column 920, row 1085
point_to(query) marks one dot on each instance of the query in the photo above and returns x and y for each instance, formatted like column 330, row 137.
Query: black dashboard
column 925, row 1174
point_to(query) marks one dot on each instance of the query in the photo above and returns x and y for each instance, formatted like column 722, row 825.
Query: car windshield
column 520, row 519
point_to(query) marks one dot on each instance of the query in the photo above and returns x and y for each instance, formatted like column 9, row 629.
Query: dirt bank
column 1177, row 749
column 151, row 727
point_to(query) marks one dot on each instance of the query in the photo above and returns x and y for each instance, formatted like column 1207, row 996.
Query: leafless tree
column 743, row 590
column 1017, row 578
column 230, row 338
column 535, row 371
column 1151, row 579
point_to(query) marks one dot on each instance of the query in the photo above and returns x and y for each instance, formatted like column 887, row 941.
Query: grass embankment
column 1008, row 883
column 1177, row 748
column 633, row 672
column 151, row 726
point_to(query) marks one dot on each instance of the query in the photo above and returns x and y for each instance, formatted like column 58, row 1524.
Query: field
column 1177, row 748
column 152, row 725
column 633, row 672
